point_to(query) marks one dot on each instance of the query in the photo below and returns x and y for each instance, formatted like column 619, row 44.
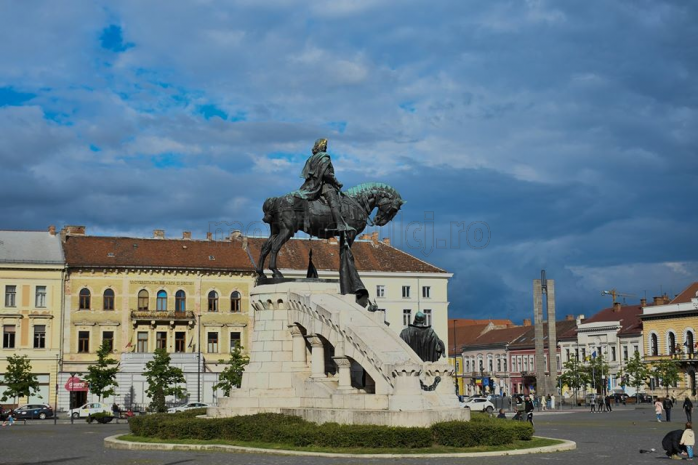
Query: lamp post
column 70, row 406
column 198, row 361
column 55, row 394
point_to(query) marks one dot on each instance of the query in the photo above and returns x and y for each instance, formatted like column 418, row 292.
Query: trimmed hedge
column 285, row 429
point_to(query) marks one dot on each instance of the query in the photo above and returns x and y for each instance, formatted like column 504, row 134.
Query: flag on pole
column 593, row 354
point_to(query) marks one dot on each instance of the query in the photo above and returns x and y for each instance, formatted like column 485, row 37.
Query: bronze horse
column 288, row 214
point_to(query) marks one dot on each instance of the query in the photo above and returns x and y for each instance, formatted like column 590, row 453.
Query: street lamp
column 198, row 361
column 55, row 394
column 72, row 375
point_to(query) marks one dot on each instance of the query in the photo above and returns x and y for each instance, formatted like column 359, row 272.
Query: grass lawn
column 535, row 442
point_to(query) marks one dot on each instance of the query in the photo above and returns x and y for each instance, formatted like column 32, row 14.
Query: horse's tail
column 268, row 209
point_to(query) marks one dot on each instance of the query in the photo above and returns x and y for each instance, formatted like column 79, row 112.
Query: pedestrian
column 688, row 408
column 10, row 420
column 502, row 414
column 600, row 404
column 608, row 404
column 667, row 404
column 519, row 406
column 672, row 444
column 529, row 410
column 688, row 439
column 593, row 405
column 658, row 409
column 115, row 410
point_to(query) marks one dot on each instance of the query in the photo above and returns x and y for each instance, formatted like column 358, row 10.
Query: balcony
column 677, row 356
column 153, row 317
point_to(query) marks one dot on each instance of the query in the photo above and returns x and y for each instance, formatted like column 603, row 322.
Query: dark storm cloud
column 569, row 128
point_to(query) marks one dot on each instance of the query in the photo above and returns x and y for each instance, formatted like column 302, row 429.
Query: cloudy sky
column 567, row 132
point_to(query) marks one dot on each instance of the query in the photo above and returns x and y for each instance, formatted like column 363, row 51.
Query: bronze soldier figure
column 321, row 182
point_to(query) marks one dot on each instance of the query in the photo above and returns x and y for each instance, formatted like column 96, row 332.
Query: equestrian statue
column 320, row 209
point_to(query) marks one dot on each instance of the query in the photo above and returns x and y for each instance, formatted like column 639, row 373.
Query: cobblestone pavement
column 602, row 438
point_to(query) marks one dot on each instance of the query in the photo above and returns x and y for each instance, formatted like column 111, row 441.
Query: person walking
column 688, row 439
column 608, row 404
column 529, row 410
column 593, row 405
column 688, row 408
column 600, row 403
column 667, row 404
column 658, row 409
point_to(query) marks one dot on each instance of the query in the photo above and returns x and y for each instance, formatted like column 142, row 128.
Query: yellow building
column 31, row 276
column 669, row 331
column 190, row 297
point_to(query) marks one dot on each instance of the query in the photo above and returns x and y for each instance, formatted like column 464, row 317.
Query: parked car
column 33, row 411
column 88, row 409
column 480, row 404
column 189, row 406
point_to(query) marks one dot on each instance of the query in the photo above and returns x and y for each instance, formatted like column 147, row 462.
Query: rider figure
column 321, row 182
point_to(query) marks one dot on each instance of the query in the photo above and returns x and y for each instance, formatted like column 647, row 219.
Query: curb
column 113, row 442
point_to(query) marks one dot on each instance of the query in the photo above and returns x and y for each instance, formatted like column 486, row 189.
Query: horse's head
column 387, row 209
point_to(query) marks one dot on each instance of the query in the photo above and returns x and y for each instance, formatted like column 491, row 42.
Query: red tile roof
column 527, row 340
column 627, row 315
column 501, row 336
column 368, row 256
column 464, row 332
column 691, row 292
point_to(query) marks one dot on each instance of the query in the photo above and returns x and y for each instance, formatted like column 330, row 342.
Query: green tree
column 598, row 370
column 668, row 372
column 637, row 373
column 102, row 375
column 19, row 379
column 162, row 380
column 231, row 376
column 574, row 376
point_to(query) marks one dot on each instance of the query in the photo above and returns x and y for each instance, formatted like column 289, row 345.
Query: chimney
column 209, row 236
column 569, row 318
column 580, row 319
column 365, row 237
column 186, row 235
column 386, row 240
column 643, row 302
column 527, row 322
column 658, row 300
column 74, row 230
column 52, row 230
column 616, row 307
column 374, row 237
column 158, row 234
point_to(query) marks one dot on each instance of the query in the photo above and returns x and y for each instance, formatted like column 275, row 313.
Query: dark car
column 33, row 411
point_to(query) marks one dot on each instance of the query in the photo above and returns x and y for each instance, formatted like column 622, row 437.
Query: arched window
column 671, row 341
column 85, row 299
column 235, row 301
column 108, row 300
column 690, row 342
column 161, row 305
column 180, row 301
column 213, row 301
column 143, row 300
column 654, row 345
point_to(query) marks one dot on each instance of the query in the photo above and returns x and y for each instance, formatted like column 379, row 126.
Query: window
column 689, row 342
column 142, row 342
column 380, row 291
column 212, row 343
column 83, row 342
column 108, row 339
column 505, row 365
column 8, row 337
column 180, row 301
column 576, row 354
column 654, row 345
column 161, row 302
column 672, row 343
column 499, row 364
column 180, row 341
column 143, row 298
column 10, row 296
column 584, row 353
column 108, row 300
column 625, row 353
column 161, row 340
column 406, row 317
column 85, row 298
column 235, row 340
column 567, row 354
column 525, row 361
column 40, row 297
column 636, row 349
column 405, row 292
column 213, row 301
column 40, row 336
column 426, row 292
column 427, row 313
column 235, row 302
column 490, row 362
column 613, row 354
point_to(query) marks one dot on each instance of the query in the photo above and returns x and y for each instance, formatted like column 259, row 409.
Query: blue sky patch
column 210, row 110
column 167, row 160
column 94, row 148
column 112, row 39
column 9, row 97
column 408, row 107
column 339, row 126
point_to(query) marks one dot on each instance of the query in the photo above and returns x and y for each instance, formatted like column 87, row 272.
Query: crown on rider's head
column 320, row 146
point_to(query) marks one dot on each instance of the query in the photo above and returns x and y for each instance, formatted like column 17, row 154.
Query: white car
column 189, row 406
column 479, row 404
column 88, row 409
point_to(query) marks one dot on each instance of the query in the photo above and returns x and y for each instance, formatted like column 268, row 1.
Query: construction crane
column 615, row 293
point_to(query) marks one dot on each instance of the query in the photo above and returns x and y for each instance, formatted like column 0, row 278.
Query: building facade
column 31, row 278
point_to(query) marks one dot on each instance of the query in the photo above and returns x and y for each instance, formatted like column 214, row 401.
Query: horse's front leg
column 280, row 239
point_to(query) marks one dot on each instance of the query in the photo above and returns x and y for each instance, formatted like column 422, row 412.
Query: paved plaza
column 602, row 438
